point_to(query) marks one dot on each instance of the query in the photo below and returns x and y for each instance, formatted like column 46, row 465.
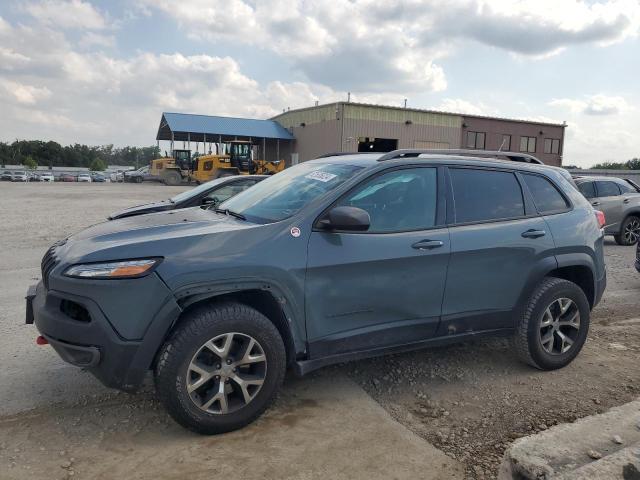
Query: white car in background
column 46, row 177
column 84, row 177
column 19, row 176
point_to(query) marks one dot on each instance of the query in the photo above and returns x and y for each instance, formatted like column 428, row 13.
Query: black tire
column 631, row 222
column 201, row 325
column 138, row 179
column 527, row 341
column 172, row 178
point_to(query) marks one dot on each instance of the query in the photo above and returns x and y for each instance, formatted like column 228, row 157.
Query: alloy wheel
column 632, row 231
column 226, row 373
column 559, row 326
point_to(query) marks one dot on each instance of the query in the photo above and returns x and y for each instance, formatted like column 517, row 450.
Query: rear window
column 607, row 189
column 545, row 195
column 588, row 189
column 484, row 195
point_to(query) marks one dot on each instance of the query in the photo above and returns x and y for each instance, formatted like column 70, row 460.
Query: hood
column 162, row 225
column 142, row 209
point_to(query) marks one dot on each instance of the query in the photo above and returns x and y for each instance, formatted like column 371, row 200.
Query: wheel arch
column 265, row 298
column 578, row 268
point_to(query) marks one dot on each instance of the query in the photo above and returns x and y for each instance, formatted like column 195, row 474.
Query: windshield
column 195, row 191
column 287, row 192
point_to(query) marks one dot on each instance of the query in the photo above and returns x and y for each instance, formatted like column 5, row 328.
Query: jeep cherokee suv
column 334, row 259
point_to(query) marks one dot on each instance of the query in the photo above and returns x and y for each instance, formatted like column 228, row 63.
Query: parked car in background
column 19, row 176
column 46, row 177
column 33, row 177
column 117, row 176
column 137, row 176
column 334, row 259
column 209, row 195
column 6, row 176
column 98, row 177
column 68, row 177
column 638, row 256
column 84, row 177
column 619, row 200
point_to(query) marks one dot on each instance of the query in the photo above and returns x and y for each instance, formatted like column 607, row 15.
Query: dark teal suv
column 335, row 259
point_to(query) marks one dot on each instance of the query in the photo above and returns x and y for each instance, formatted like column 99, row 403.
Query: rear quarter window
column 545, row 195
column 485, row 195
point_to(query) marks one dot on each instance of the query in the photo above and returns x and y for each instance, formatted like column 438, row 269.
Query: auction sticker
column 321, row 176
column 295, row 232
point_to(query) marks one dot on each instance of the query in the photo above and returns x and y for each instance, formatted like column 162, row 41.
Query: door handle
column 427, row 244
column 626, row 200
column 595, row 204
column 534, row 233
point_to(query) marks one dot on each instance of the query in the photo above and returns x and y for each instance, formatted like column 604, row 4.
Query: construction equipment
column 183, row 167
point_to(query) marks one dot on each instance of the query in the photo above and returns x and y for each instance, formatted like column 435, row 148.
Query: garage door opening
column 370, row 144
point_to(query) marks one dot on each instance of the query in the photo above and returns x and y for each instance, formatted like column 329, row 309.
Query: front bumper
column 90, row 341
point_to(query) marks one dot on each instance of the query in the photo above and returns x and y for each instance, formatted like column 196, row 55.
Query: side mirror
column 350, row 219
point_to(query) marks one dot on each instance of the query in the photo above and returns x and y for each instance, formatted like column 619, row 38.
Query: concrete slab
column 322, row 427
column 599, row 443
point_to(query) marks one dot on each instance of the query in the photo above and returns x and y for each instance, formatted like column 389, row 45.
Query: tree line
column 33, row 153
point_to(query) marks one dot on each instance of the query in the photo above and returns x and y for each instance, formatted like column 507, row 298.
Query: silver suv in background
column 619, row 199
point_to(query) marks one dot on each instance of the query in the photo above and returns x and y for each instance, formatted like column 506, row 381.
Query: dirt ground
column 468, row 400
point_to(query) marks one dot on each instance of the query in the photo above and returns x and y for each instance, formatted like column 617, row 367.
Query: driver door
column 383, row 287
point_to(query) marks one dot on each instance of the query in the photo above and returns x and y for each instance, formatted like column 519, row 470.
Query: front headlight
column 123, row 269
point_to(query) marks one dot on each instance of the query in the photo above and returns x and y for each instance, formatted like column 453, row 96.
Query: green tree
column 97, row 165
column 634, row 164
column 30, row 163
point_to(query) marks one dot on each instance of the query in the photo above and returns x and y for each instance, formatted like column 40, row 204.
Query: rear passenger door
column 498, row 244
column 609, row 200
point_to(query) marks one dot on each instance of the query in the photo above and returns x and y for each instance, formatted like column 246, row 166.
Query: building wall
column 337, row 127
column 494, row 129
column 412, row 128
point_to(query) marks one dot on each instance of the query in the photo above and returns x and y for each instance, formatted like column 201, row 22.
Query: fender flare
column 293, row 313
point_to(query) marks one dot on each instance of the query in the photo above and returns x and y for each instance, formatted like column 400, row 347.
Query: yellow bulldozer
column 182, row 167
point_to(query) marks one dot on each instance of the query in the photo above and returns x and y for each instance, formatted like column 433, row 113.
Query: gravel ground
column 469, row 400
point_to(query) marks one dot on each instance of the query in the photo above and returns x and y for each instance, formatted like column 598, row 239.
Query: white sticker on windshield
column 321, row 176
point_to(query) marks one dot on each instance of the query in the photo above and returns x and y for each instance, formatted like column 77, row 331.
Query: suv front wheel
column 221, row 368
column 554, row 325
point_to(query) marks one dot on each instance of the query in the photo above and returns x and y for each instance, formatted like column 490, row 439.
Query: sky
column 102, row 72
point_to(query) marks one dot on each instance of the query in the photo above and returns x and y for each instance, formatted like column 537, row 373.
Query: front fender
column 293, row 310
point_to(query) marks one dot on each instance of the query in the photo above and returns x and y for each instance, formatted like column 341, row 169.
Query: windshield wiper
column 226, row 211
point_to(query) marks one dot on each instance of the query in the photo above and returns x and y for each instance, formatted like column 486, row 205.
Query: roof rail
column 409, row 152
column 341, row 154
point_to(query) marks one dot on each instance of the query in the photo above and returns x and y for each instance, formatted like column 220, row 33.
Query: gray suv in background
column 335, row 259
column 619, row 200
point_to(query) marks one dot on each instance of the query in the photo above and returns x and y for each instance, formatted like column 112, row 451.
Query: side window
column 607, row 189
column 224, row 193
column 397, row 201
column 545, row 195
column 208, row 165
column 627, row 188
column 481, row 195
column 588, row 189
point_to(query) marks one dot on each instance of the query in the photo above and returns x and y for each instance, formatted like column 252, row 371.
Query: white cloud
column 458, row 105
column 22, row 93
column 72, row 14
column 93, row 39
column 593, row 105
column 368, row 44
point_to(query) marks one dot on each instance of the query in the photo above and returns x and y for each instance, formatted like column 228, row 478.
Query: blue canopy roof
column 199, row 125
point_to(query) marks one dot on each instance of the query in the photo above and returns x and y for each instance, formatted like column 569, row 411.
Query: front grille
column 49, row 261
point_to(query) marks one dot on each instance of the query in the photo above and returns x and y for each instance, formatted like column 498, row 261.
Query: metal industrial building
column 356, row 127
column 299, row 135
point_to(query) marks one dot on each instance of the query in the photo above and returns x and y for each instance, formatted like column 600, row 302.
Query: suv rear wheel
column 629, row 231
column 554, row 325
column 221, row 368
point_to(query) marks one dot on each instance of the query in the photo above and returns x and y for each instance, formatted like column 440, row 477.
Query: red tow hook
column 40, row 340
